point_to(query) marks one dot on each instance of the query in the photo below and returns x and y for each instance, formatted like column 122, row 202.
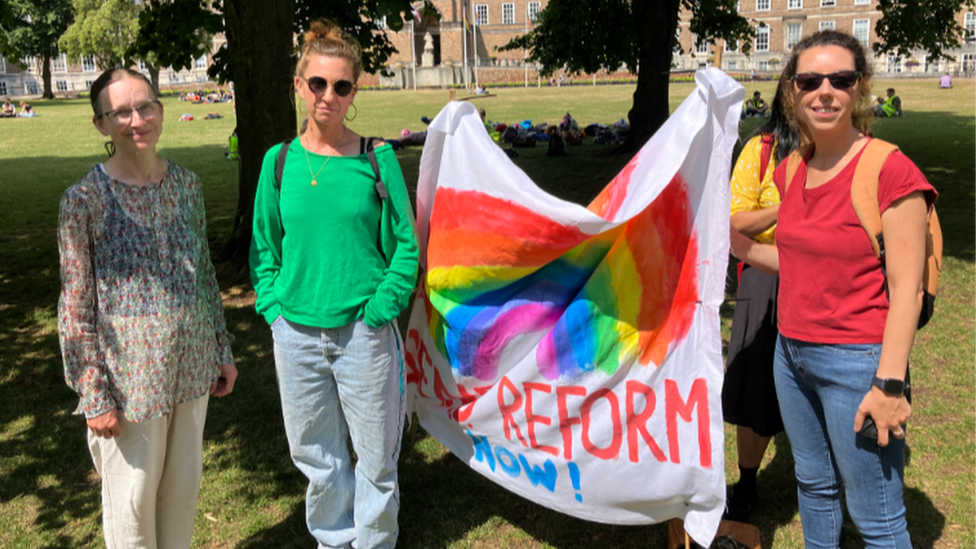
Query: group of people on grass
column 10, row 111
column 145, row 344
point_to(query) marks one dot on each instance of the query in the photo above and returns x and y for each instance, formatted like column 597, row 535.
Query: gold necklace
column 316, row 174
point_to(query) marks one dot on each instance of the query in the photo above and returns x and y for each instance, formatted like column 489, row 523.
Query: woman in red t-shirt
column 842, row 353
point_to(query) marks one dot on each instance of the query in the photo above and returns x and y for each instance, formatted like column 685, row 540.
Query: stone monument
column 427, row 59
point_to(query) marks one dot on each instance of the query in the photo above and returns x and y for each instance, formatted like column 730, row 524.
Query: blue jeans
column 337, row 384
column 819, row 388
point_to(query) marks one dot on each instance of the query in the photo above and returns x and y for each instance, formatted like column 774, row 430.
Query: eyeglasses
column 840, row 80
column 318, row 85
column 147, row 111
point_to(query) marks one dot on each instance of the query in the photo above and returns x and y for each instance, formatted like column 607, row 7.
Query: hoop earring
column 353, row 105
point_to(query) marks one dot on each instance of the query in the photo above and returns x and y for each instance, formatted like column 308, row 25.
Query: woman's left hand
column 890, row 414
column 225, row 385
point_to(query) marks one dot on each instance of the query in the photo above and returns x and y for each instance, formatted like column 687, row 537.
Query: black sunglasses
column 318, row 85
column 840, row 80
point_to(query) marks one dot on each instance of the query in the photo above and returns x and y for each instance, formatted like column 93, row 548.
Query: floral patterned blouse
column 140, row 316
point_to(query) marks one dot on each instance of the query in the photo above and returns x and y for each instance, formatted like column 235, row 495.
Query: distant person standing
column 945, row 81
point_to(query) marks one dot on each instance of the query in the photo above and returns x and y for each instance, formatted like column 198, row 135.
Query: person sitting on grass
column 889, row 108
column 945, row 82
column 9, row 111
column 756, row 106
column 26, row 110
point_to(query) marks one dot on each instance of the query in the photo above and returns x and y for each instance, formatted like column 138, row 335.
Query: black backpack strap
column 371, row 154
column 280, row 164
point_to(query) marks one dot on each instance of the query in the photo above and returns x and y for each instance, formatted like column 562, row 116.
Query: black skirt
column 749, row 393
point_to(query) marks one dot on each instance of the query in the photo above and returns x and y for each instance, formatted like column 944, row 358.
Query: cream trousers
column 151, row 478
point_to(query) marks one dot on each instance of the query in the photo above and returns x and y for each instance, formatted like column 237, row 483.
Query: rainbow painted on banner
column 503, row 279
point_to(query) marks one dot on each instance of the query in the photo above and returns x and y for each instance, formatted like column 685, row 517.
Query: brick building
column 786, row 22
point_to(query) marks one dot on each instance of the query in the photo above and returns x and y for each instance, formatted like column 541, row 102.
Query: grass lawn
column 252, row 496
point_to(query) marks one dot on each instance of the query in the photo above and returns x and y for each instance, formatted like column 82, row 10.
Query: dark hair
column 861, row 118
column 783, row 127
column 891, row 90
column 102, row 82
column 755, row 93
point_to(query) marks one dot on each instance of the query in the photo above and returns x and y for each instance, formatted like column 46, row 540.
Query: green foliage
column 175, row 32
column 103, row 28
column 928, row 25
column 48, row 20
column 590, row 35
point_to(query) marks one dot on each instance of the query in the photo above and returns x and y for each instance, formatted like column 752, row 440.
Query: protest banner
column 572, row 354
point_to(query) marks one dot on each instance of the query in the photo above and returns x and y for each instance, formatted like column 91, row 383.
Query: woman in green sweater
column 333, row 262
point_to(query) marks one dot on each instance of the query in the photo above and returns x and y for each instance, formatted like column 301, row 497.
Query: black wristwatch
column 893, row 387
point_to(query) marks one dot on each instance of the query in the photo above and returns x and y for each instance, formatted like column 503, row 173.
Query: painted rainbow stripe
column 504, row 281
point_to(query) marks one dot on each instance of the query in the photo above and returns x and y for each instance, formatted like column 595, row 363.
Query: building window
column 701, row 45
column 201, row 62
column 533, row 12
column 968, row 62
column 31, row 63
column 59, row 63
column 88, row 63
column 862, row 30
column 764, row 65
column 862, row 2
column 88, row 84
column 794, row 31
column 731, row 45
column 895, row 63
column 762, row 38
column 969, row 24
column 3, row 88
column 827, row 25
column 508, row 14
column 481, row 14
column 380, row 23
column 3, row 65
column 62, row 85
column 794, row 4
column 32, row 87
column 733, row 65
column 762, row 5
column 677, row 41
column 142, row 65
column 828, row 3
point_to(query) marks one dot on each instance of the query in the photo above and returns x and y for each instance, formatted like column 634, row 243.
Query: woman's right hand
column 106, row 425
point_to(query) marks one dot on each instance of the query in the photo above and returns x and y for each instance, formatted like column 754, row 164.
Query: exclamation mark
column 574, row 476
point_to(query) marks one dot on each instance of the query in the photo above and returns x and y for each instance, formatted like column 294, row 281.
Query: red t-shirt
column 831, row 287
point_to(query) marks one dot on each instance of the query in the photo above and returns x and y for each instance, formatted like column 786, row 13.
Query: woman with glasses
column 333, row 262
column 842, row 352
column 140, row 319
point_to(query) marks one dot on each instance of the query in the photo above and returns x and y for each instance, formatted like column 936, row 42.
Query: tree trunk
column 46, row 76
column 655, row 34
column 153, row 76
column 261, row 48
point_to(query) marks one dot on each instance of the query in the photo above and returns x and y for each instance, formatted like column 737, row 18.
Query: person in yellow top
column 749, row 394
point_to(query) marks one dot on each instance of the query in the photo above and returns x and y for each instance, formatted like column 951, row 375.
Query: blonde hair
column 326, row 38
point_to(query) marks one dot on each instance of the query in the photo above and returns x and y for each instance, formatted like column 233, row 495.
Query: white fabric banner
column 572, row 354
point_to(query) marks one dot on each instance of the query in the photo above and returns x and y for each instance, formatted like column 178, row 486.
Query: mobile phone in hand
column 869, row 429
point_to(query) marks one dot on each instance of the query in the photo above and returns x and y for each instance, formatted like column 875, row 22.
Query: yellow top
column 750, row 194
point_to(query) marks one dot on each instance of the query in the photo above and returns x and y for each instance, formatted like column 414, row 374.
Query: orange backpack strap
column 933, row 255
column 864, row 190
column 792, row 164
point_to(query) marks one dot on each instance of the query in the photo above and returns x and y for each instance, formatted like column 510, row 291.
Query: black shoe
column 425, row 120
column 740, row 504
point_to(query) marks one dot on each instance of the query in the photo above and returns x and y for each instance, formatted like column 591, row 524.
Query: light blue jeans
column 336, row 384
column 819, row 388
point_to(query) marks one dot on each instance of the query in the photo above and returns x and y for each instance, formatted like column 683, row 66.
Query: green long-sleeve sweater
column 317, row 256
